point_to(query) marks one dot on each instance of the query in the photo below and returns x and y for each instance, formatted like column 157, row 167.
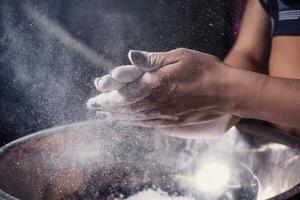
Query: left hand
column 169, row 89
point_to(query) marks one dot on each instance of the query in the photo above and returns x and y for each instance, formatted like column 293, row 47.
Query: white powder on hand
column 151, row 194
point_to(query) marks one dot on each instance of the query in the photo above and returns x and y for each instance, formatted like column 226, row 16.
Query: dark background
column 45, row 82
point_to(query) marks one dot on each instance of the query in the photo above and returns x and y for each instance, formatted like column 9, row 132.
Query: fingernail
column 96, row 81
column 95, row 105
column 137, row 56
column 101, row 114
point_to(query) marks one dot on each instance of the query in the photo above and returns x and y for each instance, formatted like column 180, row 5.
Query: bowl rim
column 291, row 194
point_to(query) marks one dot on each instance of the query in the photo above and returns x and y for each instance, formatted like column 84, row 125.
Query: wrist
column 221, row 86
column 243, row 91
column 232, row 88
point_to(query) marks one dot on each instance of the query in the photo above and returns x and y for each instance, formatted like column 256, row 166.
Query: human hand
column 169, row 90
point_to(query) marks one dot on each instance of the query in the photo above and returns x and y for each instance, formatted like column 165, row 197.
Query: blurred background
column 51, row 50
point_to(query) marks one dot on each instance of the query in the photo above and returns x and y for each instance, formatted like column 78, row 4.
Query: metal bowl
column 99, row 160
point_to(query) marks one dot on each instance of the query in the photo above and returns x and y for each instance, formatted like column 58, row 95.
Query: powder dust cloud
column 52, row 50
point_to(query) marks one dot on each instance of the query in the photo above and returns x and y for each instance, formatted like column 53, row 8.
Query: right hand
column 170, row 90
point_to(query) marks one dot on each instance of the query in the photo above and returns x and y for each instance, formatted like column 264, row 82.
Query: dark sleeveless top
column 285, row 16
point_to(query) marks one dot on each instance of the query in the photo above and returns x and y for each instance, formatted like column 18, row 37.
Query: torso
column 285, row 57
column 285, row 62
column 285, row 51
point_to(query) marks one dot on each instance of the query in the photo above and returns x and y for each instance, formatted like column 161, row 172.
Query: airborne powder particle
column 151, row 194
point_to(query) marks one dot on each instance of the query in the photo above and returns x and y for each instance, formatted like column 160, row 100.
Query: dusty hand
column 168, row 89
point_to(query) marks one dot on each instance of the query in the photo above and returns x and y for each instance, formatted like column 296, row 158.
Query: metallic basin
column 100, row 160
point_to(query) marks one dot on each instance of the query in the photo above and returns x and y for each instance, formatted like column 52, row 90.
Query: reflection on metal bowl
column 101, row 160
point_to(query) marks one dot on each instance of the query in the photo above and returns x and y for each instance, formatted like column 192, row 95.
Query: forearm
column 254, row 95
column 245, row 61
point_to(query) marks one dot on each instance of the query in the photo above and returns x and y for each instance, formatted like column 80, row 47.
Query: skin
column 174, row 95
column 258, row 79
column 254, row 50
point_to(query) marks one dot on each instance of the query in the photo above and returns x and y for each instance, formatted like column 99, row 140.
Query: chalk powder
column 151, row 194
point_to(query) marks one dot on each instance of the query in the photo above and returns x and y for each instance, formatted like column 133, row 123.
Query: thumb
column 151, row 61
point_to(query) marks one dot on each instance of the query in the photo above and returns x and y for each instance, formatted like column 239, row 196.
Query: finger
column 123, row 99
column 126, row 73
column 156, row 123
column 188, row 119
column 114, row 101
column 191, row 131
column 107, row 83
column 149, row 85
column 145, row 88
column 137, row 117
column 136, row 91
column 106, row 100
column 150, row 61
column 131, row 108
column 145, row 104
column 142, row 116
column 167, row 123
column 101, row 114
column 145, row 107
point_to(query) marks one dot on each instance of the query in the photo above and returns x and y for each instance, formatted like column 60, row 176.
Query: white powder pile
column 151, row 194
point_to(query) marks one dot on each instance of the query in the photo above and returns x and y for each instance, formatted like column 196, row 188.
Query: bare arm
column 272, row 99
column 266, row 98
column 196, row 87
column 185, row 87
column 251, row 49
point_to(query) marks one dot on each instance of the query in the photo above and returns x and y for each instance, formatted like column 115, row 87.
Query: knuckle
column 182, row 50
column 184, row 54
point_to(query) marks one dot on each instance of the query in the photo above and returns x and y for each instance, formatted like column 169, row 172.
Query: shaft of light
column 53, row 28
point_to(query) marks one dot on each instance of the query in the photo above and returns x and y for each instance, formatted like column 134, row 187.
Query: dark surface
column 43, row 83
